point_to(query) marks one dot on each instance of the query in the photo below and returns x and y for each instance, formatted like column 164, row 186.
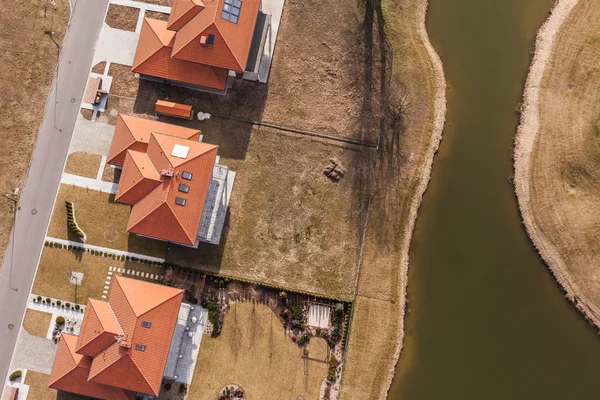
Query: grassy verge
column 37, row 322
column 56, row 265
column 122, row 17
column 254, row 352
column 28, row 65
column 558, row 149
column 103, row 221
column 83, row 164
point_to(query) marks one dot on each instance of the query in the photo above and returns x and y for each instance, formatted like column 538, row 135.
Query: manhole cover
column 33, row 211
column 72, row 99
column 11, row 327
column 111, row 234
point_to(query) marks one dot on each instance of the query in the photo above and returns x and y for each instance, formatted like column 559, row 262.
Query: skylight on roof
column 180, row 151
column 146, row 324
column 180, row 201
column 184, row 188
column 140, row 347
column 186, row 175
column 231, row 10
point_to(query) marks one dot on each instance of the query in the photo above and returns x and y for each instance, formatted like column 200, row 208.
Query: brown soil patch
column 83, row 164
column 28, row 65
column 87, row 114
column 37, row 322
column 111, row 174
column 99, row 68
column 96, row 211
column 156, row 15
column 122, row 17
column 254, row 352
column 111, row 234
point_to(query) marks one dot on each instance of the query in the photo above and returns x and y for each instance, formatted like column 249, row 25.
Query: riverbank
column 556, row 151
column 410, row 138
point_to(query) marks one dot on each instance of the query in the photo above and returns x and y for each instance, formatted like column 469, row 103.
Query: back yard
column 254, row 352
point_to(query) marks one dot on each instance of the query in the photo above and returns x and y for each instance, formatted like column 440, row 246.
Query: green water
column 486, row 320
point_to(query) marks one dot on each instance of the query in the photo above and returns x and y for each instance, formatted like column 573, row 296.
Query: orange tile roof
column 157, row 215
column 70, row 373
column 177, row 49
column 98, row 330
column 171, row 108
column 153, row 57
column 137, row 178
column 232, row 41
column 133, row 133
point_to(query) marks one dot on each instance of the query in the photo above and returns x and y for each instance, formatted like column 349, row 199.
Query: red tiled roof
column 98, row 330
column 182, row 12
column 70, row 373
column 133, row 133
column 157, row 215
column 171, row 108
column 131, row 302
column 138, row 178
column 153, row 57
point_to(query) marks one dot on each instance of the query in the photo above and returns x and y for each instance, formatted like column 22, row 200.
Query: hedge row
column 72, row 222
column 100, row 253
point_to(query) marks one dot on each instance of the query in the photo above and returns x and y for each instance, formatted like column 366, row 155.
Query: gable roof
column 182, row 11
column 98, row 330
column 157, row 215
column 137, row 178
column 70, row 372
column 232, row 40
column 131, row 302
column 153, row 57
column 134, row 133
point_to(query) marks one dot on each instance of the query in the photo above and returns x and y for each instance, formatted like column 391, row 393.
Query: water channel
column 486, row 320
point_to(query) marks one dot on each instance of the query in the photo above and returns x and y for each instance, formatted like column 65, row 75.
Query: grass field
column 83, row 164
column 103, row 221
column 37, row 322
column 28, row 64
column 56, row 265
column 254, row 353
column 38, row 388
column 564, row 176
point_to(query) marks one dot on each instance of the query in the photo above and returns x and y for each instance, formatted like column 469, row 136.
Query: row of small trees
column 73, row 222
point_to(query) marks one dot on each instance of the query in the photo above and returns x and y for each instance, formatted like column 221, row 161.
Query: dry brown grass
column 38, row 388
column 565, row 179
column 288, row 223
column 99, row 217
column 99, row 68
column 37, row 322
column 56, row 265
column 83, row 164
column 111, row 174
column 254, row 352
column 167, row 3
column 122, row 17
column 156, row 15
column 28, row 64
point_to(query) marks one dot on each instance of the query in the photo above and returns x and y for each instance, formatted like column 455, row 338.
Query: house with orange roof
column 177, row 189
column 204, row 45
column 123, row 345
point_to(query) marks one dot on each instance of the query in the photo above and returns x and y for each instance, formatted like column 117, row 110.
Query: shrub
column 15, row 375
column 194, row 300
column 297, row 316
column 46, row 243
column 332, row 372
column 60, row 320
column 167, row 386
column 39, row 298
column 68, row 305
column 302, row 340
column 48, row 299
column 182, row 388
column 58, row 303
column 77, row 306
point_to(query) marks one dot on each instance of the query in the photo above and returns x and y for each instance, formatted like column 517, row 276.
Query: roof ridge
column 70, row 370
column 138, row 367
column 156, row 36
column 193, row 239
column 229, row 47
column 149, row 212
column 92, row 376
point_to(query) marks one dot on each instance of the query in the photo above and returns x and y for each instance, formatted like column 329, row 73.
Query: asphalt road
column 39, row 192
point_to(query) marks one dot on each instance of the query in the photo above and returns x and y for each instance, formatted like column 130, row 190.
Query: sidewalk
column 88, row 183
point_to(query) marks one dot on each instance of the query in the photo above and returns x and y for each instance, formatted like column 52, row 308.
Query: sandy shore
column 524, row 144
column 436, row 137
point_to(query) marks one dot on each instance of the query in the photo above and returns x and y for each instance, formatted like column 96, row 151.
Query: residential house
column 204, row 45
column 178, row 190
column 123, row 345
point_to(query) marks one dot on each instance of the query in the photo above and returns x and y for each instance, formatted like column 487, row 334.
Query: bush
column 48, row 299
column 46, row 243
column 182, row 388
column 297, row 316
column 77, row 306
column 167, row 386
column 58, row 303
column 15, row 375
column 39, row 298
column 332, row 372
column 68, row 305
column 302, row 340
column 60, row 320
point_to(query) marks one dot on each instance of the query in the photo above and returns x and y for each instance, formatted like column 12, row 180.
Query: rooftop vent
column 166, row 172
column 180, row 151
column 125, row 344
column 231, row 10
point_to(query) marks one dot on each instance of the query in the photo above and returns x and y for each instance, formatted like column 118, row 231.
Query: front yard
column 83, row 164
column 254, row 352
column 102, row 219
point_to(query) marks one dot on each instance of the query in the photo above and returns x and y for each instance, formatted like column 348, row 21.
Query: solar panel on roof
column 231, row 10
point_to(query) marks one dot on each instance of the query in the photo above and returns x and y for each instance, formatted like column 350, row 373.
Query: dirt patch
column 28, row 66
column 156, row 15
column 96, row 211
column 99, row 68
column 111, row 174
column 111, row 234
column 253, row 336
column 37, row 322
column 122, row 17
column 83, row 164
column 87, row 114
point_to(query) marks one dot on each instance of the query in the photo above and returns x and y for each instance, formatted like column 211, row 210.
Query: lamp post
column 12, row 245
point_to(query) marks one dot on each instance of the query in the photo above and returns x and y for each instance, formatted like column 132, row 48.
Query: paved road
column 37, row 198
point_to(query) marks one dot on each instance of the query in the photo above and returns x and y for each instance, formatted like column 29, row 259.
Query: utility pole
column 12, row 246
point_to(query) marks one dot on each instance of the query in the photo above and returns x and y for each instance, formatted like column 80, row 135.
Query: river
column 487, row 320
